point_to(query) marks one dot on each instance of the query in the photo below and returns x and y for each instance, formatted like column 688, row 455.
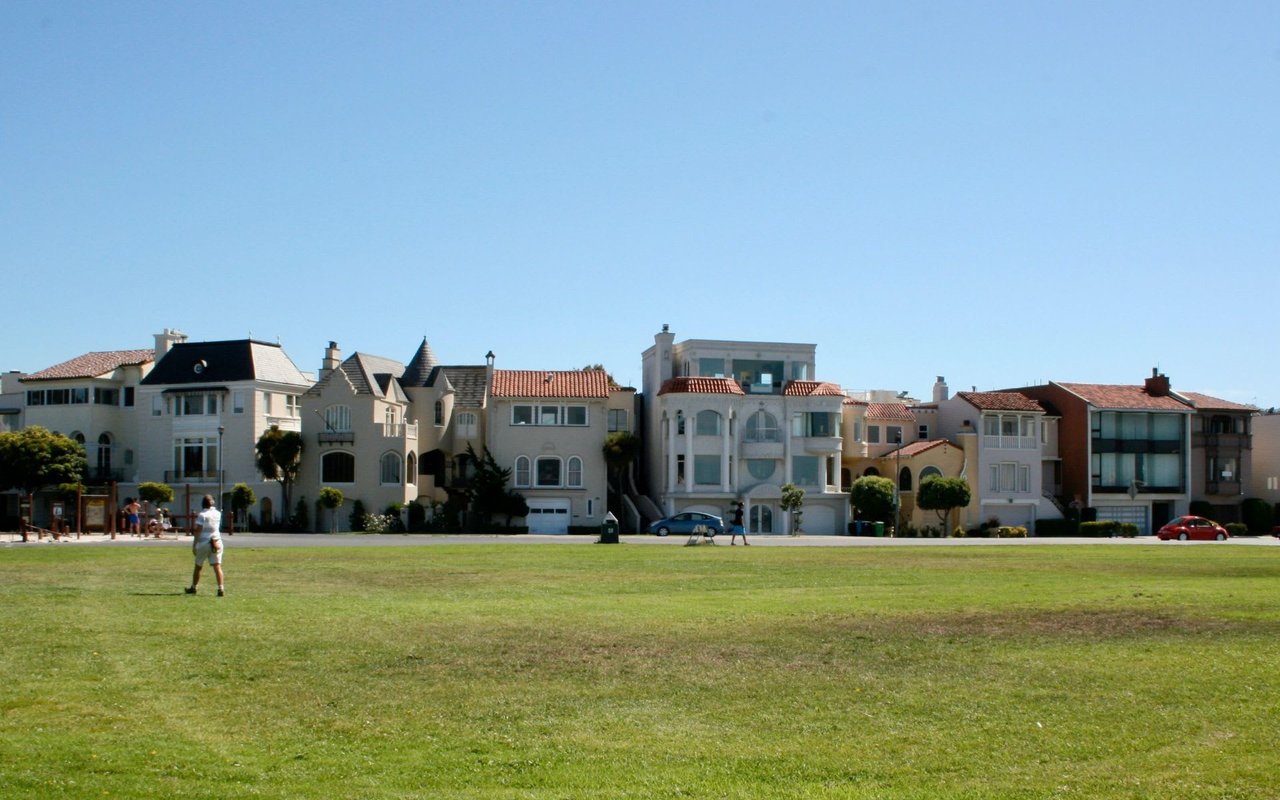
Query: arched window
column 78, row 436
column 390, row 468
column 337, row 419
column 904, row 480
column 522, row 471
column 761, row 519
column 930, row 472
column 411, row 469
column 762, row 427
column 870, row 471
column 338, row 468
column 104, row 454
column 708, row 423
column 574, row 473
column 439, row 412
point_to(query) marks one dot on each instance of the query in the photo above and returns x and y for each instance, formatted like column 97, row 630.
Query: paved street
column 247, row 540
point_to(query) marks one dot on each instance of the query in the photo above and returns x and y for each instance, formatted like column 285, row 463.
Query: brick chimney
column 1157, row 385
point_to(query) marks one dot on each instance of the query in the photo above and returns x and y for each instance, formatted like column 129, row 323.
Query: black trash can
column 609, row 530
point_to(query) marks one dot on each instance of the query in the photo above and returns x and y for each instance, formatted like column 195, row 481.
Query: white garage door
column 548, row 516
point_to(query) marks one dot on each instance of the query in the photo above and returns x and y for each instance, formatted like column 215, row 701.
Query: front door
column 761, row 519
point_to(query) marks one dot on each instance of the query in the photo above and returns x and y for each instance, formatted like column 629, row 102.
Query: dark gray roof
column 368, row 374
column 468, row 383
column 189, row 363
column 419, row 370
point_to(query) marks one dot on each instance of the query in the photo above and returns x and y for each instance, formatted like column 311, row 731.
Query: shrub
column 958, row 532
column 1100, row 529
column 379, row 523
column 1237, row 528
column 1128, row 530
column 1011, row 532
column 357, row 515
column 1257, row 514
column 417, row 516
column 301, row 517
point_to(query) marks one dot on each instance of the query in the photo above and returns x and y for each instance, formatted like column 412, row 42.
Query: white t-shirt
column 208, row 522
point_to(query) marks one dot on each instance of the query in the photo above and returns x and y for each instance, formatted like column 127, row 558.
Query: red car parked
column 1184, row 528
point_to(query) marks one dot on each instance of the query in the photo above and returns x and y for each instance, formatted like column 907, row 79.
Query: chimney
column 940, row 390
column 664, row 342
column 1157, row 385
column 332, row 359
column 165, row 341
column 489, row 358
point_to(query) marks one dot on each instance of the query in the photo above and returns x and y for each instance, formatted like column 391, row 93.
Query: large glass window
column 762, row 427
column 466, row 422
column 618, row 420
column 195, row 404
column 711, row 367
column 573, row 473
column 391, row 468
column 706, row 470
column 761, row 468
column 549, row 414
column 548, row 471
column 804, row 470
column 873, row 434
column 196, row 458
column 708, row 423
column 337, row 418
column 522, row 471
column 338, row 468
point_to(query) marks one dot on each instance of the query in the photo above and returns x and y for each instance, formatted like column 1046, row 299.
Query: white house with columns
column 734, row 421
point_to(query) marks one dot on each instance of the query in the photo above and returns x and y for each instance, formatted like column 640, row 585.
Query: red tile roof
column 895, row 411
column 93, row 365
column 1131, row 398
column 1000, row 401
column 550, row 383
column 1204, row 402
column 700, row 386
column 812, row 389
column 916, row 448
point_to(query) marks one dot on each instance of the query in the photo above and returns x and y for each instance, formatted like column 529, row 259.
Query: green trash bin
column 609, row 529
column 879, row 529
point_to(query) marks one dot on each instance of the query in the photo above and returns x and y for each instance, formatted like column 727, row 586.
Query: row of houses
column 719, row 422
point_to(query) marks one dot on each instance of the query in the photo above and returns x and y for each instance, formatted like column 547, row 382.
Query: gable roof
column 812, row 389
column 225, row 362
column 93, row 365
column 916, row 448
column 583, row 383
column 1001, row 401
column 687, row 385
column 1124, row 398
column 1204, row 402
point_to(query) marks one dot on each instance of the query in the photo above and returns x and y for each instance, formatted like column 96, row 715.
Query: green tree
column 941, row 495
column 487, row 490
column 792, row 501
column 33, row 458
column 155, row 493
column 609, row 377
column 872, row 498
column 278, row 455
column 620, row 452
column 331, row 499
column 241, row 498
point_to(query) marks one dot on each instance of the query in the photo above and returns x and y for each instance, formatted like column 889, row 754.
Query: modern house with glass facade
column 734, row 421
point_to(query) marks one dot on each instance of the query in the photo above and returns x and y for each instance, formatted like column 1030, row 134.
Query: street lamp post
column 897, row 482
column 221, row 430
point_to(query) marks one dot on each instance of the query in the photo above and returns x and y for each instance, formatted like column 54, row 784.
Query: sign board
column 95, row 514
column 57, row 510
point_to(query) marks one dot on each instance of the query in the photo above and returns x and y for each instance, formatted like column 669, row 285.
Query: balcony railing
column 1010, row 442
column 400, row 430
column 337, row 437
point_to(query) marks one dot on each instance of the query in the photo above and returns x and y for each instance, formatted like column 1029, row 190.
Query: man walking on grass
column 207, row 545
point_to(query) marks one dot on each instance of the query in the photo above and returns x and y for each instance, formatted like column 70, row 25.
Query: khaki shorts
column 210, row 551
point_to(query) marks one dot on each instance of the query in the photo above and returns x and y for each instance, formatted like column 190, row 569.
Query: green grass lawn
column 518, row 670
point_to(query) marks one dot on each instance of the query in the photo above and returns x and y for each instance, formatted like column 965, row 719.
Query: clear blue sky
column 1001, row 193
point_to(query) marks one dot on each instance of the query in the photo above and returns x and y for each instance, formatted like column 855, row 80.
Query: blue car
column 686, row 522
